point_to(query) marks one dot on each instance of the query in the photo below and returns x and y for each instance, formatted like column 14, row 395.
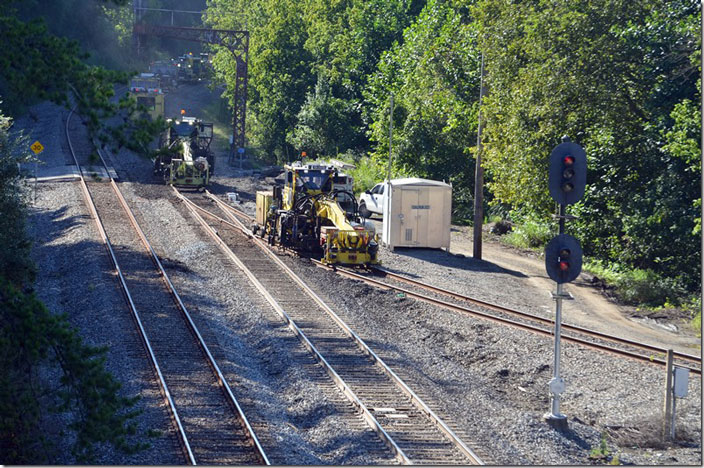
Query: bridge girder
column 237, row 42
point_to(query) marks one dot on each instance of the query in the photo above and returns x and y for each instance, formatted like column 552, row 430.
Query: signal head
column 563, row 258
column 567, row 173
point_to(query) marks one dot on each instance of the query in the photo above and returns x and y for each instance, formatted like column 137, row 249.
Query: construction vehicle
column 147, row 91
column 184, row 158
column 305, row 215
column 192, row 68
column 167, row 73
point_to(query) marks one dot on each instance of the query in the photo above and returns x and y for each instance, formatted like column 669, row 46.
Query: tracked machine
column 184, row 158
column 306, row 214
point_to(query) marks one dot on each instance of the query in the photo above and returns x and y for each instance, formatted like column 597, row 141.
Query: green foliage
column 684, row 144
column 618, row 77
column 434, row 75
column 697, row 321
column 603, row 453
column 530, row 234
column 41, row 66
column 367, row 171
column 640, row 287
column 323, row 126
column 32, row 339
column 36, row 345
column 646, row 287
column 136, row 131
column 295, row 45
column 602, row 450
column 279, row 68
column 610, row 75
column 15, row 263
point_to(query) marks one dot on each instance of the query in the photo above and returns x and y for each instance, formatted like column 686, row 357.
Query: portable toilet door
column 410, row 197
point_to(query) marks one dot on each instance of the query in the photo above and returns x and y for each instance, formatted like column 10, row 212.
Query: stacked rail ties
column 211, row 425
column 410, row 428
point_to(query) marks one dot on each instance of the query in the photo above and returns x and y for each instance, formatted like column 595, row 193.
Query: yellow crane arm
column 331, row 210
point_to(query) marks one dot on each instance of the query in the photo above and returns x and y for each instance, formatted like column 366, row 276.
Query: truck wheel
column 363, row 211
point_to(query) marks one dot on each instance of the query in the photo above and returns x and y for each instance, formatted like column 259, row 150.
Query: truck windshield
column 314, row 180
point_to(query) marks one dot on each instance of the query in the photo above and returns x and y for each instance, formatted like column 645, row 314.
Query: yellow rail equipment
column 306, row 215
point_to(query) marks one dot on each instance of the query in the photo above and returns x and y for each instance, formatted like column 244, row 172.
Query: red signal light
column 568, row 160
column 564, row 266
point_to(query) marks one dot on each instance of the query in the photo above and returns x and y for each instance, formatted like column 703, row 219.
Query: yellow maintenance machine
column 146, row 89
column 184, row 158
column 305, row 215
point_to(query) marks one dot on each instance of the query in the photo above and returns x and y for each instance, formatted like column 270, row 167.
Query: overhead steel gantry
column 237, row 42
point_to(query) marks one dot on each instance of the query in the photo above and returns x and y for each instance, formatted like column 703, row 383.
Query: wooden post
column 668, row 396
column 391, row 134
column 479, row 176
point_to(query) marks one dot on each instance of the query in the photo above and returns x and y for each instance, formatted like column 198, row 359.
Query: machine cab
column 310, row 179
column 146, row 90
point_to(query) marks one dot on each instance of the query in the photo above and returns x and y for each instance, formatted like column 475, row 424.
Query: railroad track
column 639, row 351
column 211, row 426
column 410, row 428
column 631, row 349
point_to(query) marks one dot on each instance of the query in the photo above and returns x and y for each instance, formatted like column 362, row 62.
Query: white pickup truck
column 372, row 201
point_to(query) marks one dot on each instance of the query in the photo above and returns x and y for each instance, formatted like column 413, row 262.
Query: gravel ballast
column 490, row 380
column 75, row 277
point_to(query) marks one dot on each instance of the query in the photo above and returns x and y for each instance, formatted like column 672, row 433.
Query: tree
column 434, row 75
column 608, row 74
column 41, row 66
column 323, row 126
column 35, row 343
column 279, row 68
column 293, row 44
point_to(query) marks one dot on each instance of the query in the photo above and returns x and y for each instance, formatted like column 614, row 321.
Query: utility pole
column 391, row 132
column 479, row 176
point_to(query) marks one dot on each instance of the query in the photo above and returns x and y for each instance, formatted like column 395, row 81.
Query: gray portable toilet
column 417, row 213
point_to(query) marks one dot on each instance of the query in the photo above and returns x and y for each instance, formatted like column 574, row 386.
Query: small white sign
column 681, row 382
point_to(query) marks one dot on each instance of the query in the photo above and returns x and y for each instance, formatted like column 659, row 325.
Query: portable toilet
column 417, row 213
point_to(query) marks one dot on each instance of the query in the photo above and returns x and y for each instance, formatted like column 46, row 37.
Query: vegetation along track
column 409, row 427
column 212, row 427
column 465, row 304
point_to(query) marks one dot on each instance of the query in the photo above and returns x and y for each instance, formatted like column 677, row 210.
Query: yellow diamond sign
column 37, row 147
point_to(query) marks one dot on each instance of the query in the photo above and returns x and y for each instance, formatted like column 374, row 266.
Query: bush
column 529, row 235
column 367, row 172
column 32, row 339
column 643, row 287
column 697, row 322
column 648, row 288
column 36, row 344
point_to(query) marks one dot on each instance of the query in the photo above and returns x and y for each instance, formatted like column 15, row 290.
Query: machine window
column 148, row 102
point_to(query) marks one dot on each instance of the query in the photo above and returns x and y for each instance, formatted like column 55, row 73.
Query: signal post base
column 556, row 421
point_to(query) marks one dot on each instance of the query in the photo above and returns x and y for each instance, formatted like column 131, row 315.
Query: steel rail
column 211, row 361
column 341, row 384
column 420, row 404
column 234, row 210
column 133, row 309
column 499, row 308
column 502, row 320
column 525, row 315
column 182, row 307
